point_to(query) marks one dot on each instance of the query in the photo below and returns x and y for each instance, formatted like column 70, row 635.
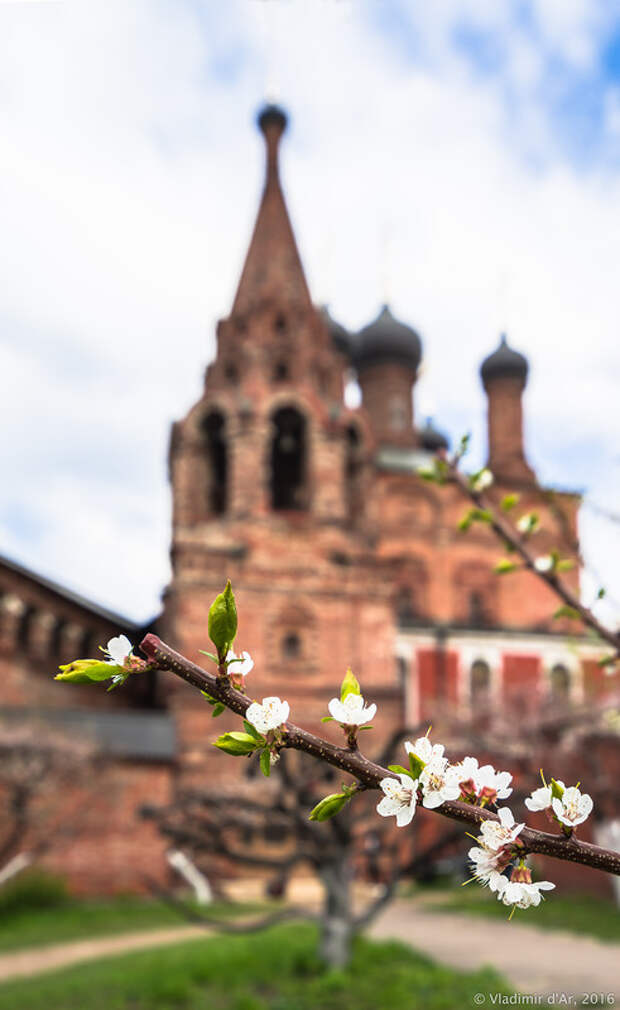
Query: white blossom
column 496, row 834
column 118, row 649
column 512, row 892
column 482, row 481
column 438, row 783
column 491, row 782
column 399, row 800
column 524, row 523
column 486, row 781
column 540, row 799
column 351, row 711
column 486, row 864
column 466, row 769
column 573, row 808
column 242, row 664
column 544, row 563
column 269, row 715
column 424, row 749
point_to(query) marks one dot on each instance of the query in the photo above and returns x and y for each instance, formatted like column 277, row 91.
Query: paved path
column 37, row 960
column 533, row 960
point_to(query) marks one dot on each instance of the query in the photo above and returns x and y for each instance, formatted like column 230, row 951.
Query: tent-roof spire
column 272, row 269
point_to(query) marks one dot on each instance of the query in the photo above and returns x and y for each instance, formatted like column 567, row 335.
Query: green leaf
column 349, row 685
column 427, row 473
column 88, row 671
column 327, row 718
column 329, row 807
column 565, row 565
column 608, row 660
column 265, row 762
column 252, row 731
column 209, row 697
column 223, row 621
column 504, row 566
column 601, row 593
column 508, row 502
column 416, row 766
column 465, row 523
column 399, row 770
column 218, row 708
column 464, row 444
column 481, row 515
column 556, row 790
column 211, row 655
column 237, row 744
column 566, row 611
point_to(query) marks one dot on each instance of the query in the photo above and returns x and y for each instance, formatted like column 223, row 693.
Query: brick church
column 338, row 551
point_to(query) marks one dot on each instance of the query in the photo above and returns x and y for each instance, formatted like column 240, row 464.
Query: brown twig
column 367, row 772
column 510, row 535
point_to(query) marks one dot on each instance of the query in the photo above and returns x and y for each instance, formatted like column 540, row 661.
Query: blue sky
column 460, row 158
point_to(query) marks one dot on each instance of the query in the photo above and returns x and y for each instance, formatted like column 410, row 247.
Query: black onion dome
column 341, row 338
column 431, row 438
column 386, row 340
column 272, row 115
column 504, row 362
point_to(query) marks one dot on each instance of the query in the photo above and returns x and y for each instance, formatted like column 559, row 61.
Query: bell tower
column 267, row 469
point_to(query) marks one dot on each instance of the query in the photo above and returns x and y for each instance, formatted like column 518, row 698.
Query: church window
column 479, row 681
column 231, row 373
column 217, row 458
column 59, row 626
column 87, row 643
column 477, row 610
column 397, row 413
column 405, row 606
column 280, row 372
column 288, row 460
column 24, row 627
column 560, row 682
column 291, row 646
column 401, row 671
column 353, row 472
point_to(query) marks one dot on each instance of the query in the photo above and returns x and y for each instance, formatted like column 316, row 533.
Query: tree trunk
column 336, row 921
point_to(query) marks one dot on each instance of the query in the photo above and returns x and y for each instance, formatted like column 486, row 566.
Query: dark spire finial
column 272, row 116
column 272, row 122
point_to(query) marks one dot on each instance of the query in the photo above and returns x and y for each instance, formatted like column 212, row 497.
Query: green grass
column 274, row 970
column 577, row 913
column 28, row 926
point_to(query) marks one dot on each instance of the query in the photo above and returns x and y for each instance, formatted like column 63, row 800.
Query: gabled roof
column 149, row 736
column 66, row 594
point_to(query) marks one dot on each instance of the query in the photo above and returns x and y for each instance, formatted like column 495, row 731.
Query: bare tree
column 263, row 826
column 37, row 766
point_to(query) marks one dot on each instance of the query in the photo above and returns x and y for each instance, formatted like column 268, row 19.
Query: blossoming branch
column 464, row 791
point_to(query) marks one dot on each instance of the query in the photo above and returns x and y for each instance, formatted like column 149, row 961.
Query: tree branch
column 206, row 920
column 367, row 773
column 507, row 533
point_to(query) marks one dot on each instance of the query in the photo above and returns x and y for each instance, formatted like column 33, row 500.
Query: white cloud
column 130, row 175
